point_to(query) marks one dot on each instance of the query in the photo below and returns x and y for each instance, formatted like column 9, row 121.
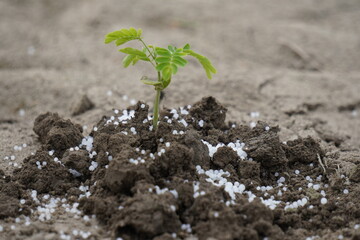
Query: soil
column 273, row 154
column 172, row 183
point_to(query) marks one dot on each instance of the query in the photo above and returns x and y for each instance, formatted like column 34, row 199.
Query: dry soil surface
column 295, row 64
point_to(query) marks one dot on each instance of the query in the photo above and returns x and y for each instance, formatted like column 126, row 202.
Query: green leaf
column 166, row 83
column 133, row 31
column 148, row 81
column 171, row 48
column 139, row 32
column 186, row 47
column 133, row 51
column 205, row 62
column 168, row 61
column 167, row 72
column 162, row 52
column 180, row 53
column 122, row 36
column 135, row 60
column 174, row 68
column 134, row 55
column 163, row 59
column 128, row 59
column 179, row 61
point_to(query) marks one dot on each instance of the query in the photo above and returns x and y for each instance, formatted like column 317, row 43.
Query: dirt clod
column 355, row 174
column 122, row 176
column 56, row 133
column 153, row 210
column 83, row 105
column 303, row 150
column 41, row 173
column 225, row 156
column 270, row 155
column 210, row 111
column 79, row 161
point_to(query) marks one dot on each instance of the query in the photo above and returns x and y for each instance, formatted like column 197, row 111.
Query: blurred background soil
column 297, row 63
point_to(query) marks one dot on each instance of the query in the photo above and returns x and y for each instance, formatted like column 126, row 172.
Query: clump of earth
column 195, row 177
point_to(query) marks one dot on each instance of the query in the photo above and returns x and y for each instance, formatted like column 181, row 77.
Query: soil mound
column 194, row 176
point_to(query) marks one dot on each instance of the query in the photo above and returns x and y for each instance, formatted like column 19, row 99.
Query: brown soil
column 290, row 67
column 149, row 184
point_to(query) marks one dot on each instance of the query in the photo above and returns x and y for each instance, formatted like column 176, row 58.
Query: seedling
column 165, row 61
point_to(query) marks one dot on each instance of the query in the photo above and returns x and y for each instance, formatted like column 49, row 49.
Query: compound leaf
column 205, row 62
column 168, row 61
column 122, row 36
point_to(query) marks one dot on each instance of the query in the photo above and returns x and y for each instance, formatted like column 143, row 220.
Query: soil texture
column 196, row 176
column 273, row 154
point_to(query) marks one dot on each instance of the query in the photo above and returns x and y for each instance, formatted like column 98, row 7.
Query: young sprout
column 165, row 61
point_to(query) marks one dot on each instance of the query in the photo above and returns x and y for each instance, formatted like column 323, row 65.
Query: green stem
column 159, row 76
column 153, row 57
column 158, row 91
column 156, row 108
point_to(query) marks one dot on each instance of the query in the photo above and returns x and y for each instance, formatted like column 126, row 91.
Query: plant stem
column 156, row 108
column 158, row 91
column 153, row 57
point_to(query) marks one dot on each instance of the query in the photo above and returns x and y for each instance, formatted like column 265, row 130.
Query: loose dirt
column 171, row 183
column 284, row 164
